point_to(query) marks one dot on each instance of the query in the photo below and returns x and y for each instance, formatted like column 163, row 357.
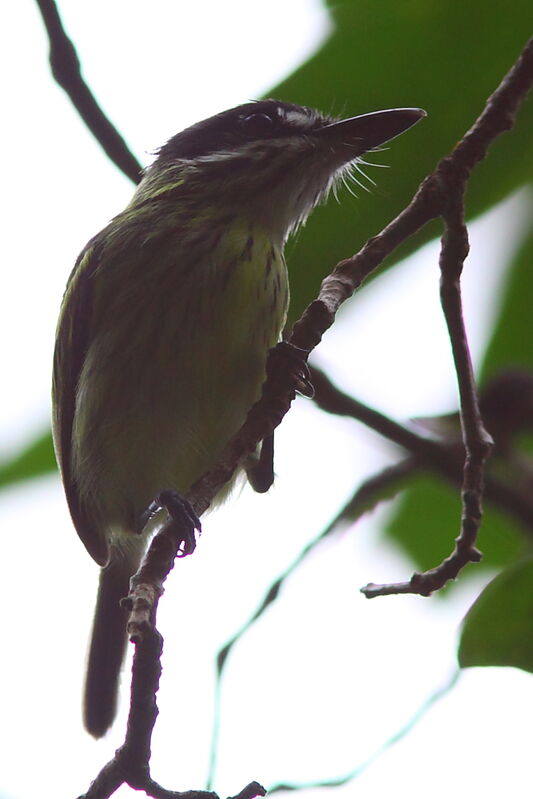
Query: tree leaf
column 427, row 522
column 444, row 57
column 511, row 342
column 35, row 460
column 498, row 628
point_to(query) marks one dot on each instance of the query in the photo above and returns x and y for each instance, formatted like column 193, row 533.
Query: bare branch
column 365, row 498
column 477, row 441
column 67, row 72
column 356, row 772
column 437, row 456
column 452, row 173
column 131, row 763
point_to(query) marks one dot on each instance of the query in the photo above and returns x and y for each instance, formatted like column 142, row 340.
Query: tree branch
column 437, row 456
column 476, row 440
column 67, row 72
column 131, row 763
column 452, row 174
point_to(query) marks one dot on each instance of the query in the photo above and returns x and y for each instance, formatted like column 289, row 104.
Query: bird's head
column 270, row 160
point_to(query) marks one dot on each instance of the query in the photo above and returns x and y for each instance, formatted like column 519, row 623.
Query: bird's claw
column 181, row 510
column 297, row 359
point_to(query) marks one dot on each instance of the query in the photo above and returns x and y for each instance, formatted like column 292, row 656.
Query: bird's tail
column 107, row 648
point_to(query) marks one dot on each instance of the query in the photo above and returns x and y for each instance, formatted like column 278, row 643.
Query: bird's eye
column 257, row 124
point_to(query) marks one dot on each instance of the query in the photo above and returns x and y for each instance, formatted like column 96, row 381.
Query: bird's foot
column 297, row 360
column 180, row 510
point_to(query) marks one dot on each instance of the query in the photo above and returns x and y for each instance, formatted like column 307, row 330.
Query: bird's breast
column 178, row 361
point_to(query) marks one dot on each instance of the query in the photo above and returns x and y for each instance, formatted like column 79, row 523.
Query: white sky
column 326, row 676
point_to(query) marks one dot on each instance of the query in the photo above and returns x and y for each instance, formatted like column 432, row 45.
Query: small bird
column 165, row 326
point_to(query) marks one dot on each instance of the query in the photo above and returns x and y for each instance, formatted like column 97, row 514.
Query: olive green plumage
column 160, row 337
column 166, row 323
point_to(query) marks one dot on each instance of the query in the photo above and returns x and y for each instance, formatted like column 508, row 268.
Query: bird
column 165, row 326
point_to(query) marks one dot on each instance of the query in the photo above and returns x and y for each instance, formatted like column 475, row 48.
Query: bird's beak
column 357, row 135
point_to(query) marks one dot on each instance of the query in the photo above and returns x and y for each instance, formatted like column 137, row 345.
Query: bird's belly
column 163, row 390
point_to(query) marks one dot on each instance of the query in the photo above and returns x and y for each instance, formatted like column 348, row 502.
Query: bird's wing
column 72, row 341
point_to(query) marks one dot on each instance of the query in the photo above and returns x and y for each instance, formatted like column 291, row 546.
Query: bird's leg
column 259, row 468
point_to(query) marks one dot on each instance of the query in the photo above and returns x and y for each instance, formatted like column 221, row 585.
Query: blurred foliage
column 428, row 520
column 497, row 629
column 446, row 58
column 512, row 339
column 35, row 460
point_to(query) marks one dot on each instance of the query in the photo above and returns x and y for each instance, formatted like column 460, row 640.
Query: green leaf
column 35, row 460
column 511, row 341
column 428, row 519
column 498, row 628
column 444, row 57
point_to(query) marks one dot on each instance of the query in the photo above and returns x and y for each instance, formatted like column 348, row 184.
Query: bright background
column 326, row 677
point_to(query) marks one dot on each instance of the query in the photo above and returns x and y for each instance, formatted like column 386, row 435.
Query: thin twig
column 67, row 72
column 366, row 496
column 131, row 763
column 453, row 173
column 436, row 456
column 476, row 440
column 337, row 782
